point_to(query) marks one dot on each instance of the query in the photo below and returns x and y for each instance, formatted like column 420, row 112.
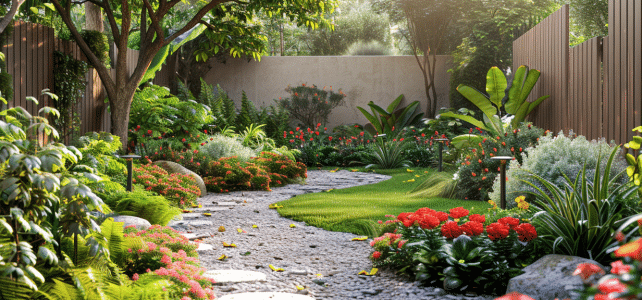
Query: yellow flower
column 491, row 202
column 461, row 261
column 520, row 199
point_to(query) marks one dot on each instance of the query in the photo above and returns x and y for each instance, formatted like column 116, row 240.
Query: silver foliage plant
column 552, row 158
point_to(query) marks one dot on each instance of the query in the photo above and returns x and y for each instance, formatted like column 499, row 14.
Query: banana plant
column 387, row 120
column 491, row 105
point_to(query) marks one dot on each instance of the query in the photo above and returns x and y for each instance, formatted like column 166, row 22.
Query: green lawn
column 358, row 209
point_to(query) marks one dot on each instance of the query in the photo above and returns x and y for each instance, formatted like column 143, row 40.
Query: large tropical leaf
column 515, row 89
column 393, row 106
column 466, row 118
column 480, row 100
column 496, row 86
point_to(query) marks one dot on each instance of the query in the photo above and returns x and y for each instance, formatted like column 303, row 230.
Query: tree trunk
column 93, row 17
column 120, row 108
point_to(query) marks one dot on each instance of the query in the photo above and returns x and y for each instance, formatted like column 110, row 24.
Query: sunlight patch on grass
column 358, row 209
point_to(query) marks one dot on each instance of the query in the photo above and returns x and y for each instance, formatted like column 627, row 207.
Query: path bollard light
column 130, row 164
column 502, row 173
column 441, row 150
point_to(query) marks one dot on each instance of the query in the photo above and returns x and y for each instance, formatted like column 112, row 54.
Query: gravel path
column 303, row 251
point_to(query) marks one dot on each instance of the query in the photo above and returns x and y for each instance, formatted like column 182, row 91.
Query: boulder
column 172, row 167
column 550, row 277
column 140, row 223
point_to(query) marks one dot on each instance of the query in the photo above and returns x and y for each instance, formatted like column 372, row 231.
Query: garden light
column 502, row 174
column 129, row 168
column 441, row 150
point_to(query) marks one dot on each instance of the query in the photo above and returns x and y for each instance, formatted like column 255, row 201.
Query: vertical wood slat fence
column 595, row 87
column 29, row 59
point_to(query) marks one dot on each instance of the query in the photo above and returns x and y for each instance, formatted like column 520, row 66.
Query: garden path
column 324, row 264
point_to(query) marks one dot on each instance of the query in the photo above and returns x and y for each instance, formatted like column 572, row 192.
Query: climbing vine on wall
column 69, row 85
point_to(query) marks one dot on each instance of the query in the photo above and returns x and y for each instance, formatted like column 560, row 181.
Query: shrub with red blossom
column 178, row 188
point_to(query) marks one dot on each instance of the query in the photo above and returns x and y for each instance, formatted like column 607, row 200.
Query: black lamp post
column 502, row 173
column 130, row 163
column 441, row 150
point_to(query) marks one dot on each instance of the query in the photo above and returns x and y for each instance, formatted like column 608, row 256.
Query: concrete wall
column 362, row 78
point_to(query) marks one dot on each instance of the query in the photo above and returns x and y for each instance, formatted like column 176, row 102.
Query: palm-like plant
column 579, row 218
column 389, row 155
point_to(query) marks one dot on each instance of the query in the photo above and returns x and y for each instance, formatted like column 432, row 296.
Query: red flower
column 149, row 132
column 586, row 270
column 477, row 218
column 183, row 140
column 514, row 296
column 472, row 228
column 451, row 230
column 612, row 285
column 330, row 138
column 618, row 268
column 509, row 221
column 497, row 231
column 441, row 216
column 425, row 211
column 458, row 212
column 526, row 232
column 361, row 133
column 474, row 174
column 619, row 236
column 428, row 221
column 376, row 255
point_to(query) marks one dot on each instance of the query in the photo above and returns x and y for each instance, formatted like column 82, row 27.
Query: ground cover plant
column 179, row 189
column 358, row 209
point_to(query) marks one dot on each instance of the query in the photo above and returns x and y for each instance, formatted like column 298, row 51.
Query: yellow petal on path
column 241, row 230
column 275, row 206
column 299, row 287
column 194, row 205
column 292, row 225
column 207, row 214
column 229, row 245
column 255, row 226
column 319, row 275
column 354, row 170
column 360, row 238
column 372, row 272
column 222, row 257
column 275, row 269
column 363, row 272
column 200, row 206
column 332, row 171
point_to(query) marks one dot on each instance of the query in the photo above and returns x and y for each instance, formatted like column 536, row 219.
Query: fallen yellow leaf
column 229, row 245
column 411, row 180
column 194, row 205
column 200, row 206
column 255, row 226
column 354, row 170
column 241, row 230
column 360, row 238
column 372, row 272
column 409, row 171
column 417, row 175
column 328, row 190
column 299, row 287
column 222, row 257
column 207, row 214
column 292, row 225
column 332, row 171
column 275, row 269
column 275, row 206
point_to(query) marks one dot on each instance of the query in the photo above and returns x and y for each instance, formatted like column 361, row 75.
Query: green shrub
column 553, row 158
column 311, row 105
column 368, row 48
column 143, row 204
column 219, row 146
column 6, row 86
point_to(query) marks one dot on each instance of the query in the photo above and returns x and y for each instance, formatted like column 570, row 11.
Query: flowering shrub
column 456, row 245
column 164, row 252
column 268, row 169
column 477, row 170
column 311, row 105
column 177, row 188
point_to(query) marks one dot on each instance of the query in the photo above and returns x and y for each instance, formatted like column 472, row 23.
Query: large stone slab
column 550, row 277
column 140, row 223
column 265, row 296
column 232, row 276
column 202, row 247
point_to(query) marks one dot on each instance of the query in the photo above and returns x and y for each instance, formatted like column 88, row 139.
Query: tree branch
column 4, row 22
column 155, row 20
column 195, row 20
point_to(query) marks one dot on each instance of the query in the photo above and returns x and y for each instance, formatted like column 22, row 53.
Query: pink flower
column 618, row 268
column 586, row 270
column 135, row 277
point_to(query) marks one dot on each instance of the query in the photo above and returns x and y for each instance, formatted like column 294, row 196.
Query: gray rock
column 172, row 167
column 140, row 223
column 550, row 277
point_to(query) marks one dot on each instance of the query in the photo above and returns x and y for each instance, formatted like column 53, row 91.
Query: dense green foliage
column 311, row 105
column 98, row 44
column 69, row 84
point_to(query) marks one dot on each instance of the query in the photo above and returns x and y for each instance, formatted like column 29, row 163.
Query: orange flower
column 632, row 250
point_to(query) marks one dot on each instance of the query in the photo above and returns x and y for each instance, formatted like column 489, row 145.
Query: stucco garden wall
column 362, row 78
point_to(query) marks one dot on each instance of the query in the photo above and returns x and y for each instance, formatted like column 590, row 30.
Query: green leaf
column 468, row 119
column 466, row 140
column 477, row 98
column 516, row 88
column 496, row 86
column 393, row 106
column 34, row 100
column 156, row 63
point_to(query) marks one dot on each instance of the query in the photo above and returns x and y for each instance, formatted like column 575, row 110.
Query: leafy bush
column 98, row 151
column 156, row 113
column 477, row 170
column 218, row 146
column 311, row 105
column 553, row 158
column 458, row 251
column 143, row 204
column 368, row 48
column 98, row 44
column 69, row 84
column 448, row 126
column 179, row 189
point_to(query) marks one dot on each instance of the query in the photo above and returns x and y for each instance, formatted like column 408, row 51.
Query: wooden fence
column 29, row 58
column 595, row 87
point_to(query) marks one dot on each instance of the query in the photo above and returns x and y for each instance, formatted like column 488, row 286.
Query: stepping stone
column 204, row 247
column 233, row 276
column 265, row 296
column 226, row 203
column 193, row 236
column 195, row 223
column 212, row 209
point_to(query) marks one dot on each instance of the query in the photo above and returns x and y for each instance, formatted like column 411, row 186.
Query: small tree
column 311, row 105
column 152, row 20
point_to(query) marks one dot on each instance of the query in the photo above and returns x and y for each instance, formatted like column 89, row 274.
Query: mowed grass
column 358, row 209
